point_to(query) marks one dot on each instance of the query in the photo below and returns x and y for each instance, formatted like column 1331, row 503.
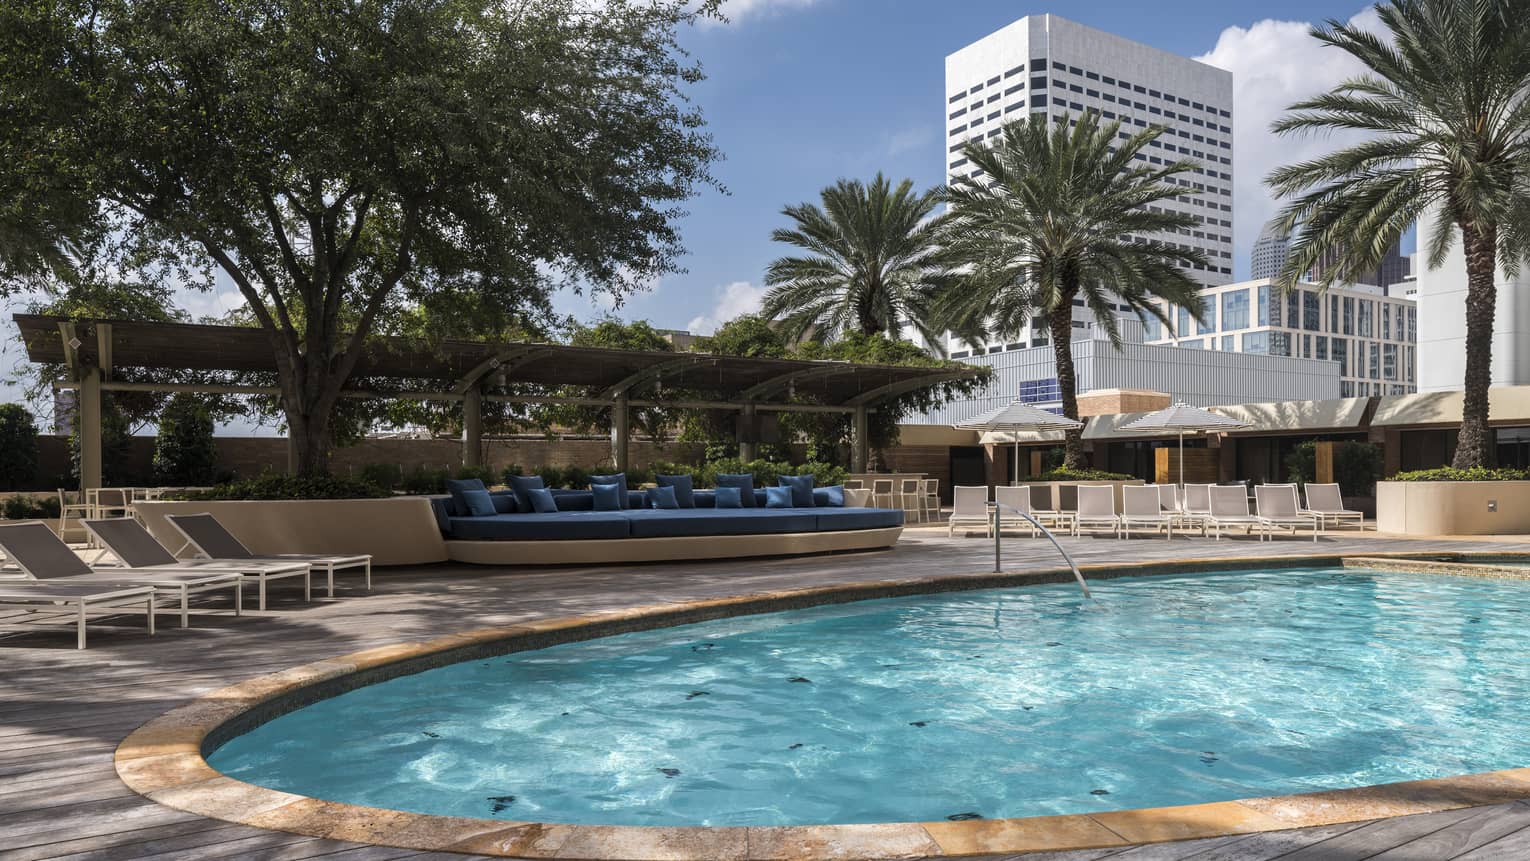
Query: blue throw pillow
column 608, row 497
column 521, row 486
column 458, row 487
column 685, row 494
column 479, row 503
column 802, row 489
column 542, row 501
column 661, row 497
column 832, row 496
column 727, row 497
column 618, row 478
column 745, row 484
column 778, row 497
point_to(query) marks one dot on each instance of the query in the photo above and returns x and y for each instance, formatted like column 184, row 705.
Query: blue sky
column 802, row 92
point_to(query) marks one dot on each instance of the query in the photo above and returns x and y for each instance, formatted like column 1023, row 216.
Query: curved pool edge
column 163, row 759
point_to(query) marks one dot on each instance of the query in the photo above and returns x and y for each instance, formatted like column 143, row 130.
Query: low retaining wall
column 1453, row 507
column 606, row 551
column 398, row 531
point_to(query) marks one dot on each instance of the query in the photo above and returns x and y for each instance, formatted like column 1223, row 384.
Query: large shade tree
column 1445, row 105
column 871, row 262
column 343, row 160
column 1064, row 210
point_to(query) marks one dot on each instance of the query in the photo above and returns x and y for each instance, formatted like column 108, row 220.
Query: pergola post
column 859, row 444
column 749, row 433
column 89, row 415
column 620, row 433
column 472, row 427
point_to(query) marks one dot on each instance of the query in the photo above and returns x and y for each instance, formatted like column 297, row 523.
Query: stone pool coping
column 163, row 760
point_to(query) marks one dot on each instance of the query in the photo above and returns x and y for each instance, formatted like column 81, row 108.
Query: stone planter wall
column 398, row 531
column 1453, row 507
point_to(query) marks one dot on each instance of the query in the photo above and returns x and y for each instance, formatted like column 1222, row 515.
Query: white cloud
column 1275, row 63
column 738, row 10
column 729, row 301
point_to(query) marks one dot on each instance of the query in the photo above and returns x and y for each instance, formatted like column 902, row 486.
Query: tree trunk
column 1474, row 445
column 1060, row 320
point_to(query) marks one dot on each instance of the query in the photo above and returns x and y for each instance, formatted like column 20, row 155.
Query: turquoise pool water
column 1015, row 702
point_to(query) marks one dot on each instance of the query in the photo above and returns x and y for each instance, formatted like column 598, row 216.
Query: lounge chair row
column 1212, row 509
column 56, row 581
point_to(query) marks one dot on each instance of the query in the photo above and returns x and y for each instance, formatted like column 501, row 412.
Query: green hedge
column 23, row 507
column 1062, row 473
column 1450, row 473
column 277, row 486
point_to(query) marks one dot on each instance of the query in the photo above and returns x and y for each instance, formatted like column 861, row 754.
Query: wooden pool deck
column 63, row 712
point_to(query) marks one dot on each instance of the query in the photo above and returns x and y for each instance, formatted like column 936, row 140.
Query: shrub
column 513, row 469
column 423, row 480
column 18, row 447
column 277, row 486
column 17, row 508
column 1356, row 467
column 388, row 476
column 1477, row 473
column 45, row 507
column 1063, row 473
column 485, row 474
column 184, row 451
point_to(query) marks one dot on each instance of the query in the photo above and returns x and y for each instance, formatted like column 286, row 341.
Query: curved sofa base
column 609, row 550
column 163, row 760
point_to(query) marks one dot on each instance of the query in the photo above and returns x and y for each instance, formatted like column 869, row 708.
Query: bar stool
column 929, row 499
column 909, row 498
column 882, row 493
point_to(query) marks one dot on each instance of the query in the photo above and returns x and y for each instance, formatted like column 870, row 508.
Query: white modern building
column 1269, row 253
column 1198, row 377
column 1441, row 295
column 1043, row 63
column 1371, row 337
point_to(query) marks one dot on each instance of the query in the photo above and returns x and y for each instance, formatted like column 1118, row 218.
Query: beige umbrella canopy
column 1181, row 418
column 1018, row 417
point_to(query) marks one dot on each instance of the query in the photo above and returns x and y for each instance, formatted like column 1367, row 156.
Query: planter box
column 1453, row 507
column 398, row 531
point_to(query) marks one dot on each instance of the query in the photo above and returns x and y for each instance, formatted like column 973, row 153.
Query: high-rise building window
column 1349, row 315
column 1320, row 348
column 1340, row 353
column 1366, row 309
column 1333, row 315
column 1228, row 343
column 1152, row 329
column 1389, row 361
column 1234, row 310
column 1412, row 324
column 1373, row 360
column 1264, row 308
column 1280, row 344
column 1208, row 325
column 1386, row 320
column 1293, row 309
column 1182, row 323
column 1312, row 311
column 1256, row 342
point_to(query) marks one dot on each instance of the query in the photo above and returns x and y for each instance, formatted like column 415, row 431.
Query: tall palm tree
column 1065, row 210
column 1445, row 102
column 872, row 262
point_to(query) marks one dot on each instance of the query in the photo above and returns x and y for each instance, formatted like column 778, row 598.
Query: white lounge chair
column 125, row 539
column 1173, row 499
column 43, row 556
column 77, row 601
column 1276, row 505
column 969, row 507
column 1229, row 508
column 1327, row 503
column 1014, row 502
column 211, row 540
column 1097, row 508
column 1142, row 506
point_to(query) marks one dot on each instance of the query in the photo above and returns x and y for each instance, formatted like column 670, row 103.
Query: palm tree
column 1065, row 210
column 1445, row 104
column 872, row 262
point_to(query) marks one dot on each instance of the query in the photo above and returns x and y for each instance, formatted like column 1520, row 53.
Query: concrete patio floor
column 62, row 712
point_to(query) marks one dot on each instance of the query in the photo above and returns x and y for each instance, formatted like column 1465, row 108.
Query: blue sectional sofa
column 575, row 519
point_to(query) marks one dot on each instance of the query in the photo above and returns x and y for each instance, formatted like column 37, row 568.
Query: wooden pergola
column 91, row 351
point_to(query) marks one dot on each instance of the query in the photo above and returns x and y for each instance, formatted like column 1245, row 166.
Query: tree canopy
column 342, row 161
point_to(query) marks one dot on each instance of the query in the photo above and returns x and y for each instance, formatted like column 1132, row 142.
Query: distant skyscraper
column 1393, row 269
column 1047, row 64
column 1269, row 253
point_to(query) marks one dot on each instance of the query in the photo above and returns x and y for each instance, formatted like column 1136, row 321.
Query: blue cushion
column 727, row 497
column 802, row 489
column 521, row 486
column 832, row 496
column 684, row 493
column 479, row 503
column 662, row 497
column 616, row 478
column 441, row 507
column 743, row 481
column 562, row 525
column 504, row 501
column 778, row 497
column 734, row 521
column 608, row 497
column 457, row 487
column 542, row 501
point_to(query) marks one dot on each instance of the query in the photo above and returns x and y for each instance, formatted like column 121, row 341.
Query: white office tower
column 1441, row 301
column 1046, row 63
column 1269, row 253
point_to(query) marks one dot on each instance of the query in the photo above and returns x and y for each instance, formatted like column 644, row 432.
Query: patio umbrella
column 1019, row 417
column 1181, row 418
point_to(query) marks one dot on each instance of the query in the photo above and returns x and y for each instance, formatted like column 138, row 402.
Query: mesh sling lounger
column 45, row 558
column 133, row 546
column 1142, row 505
column 213, row 541
column 1327, row 502
column 1276, row 505
column 1014, row 501
column 1097, row 507
column 1229, row 507
column 969, row 507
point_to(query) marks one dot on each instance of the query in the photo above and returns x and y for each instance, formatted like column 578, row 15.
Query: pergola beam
column 67, row 337
column 104, row 350
column 903, row 386
column 651, row 373
column 505, row 362
column 785, row 381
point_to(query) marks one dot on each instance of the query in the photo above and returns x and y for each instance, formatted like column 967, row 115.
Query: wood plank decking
column 62, row 712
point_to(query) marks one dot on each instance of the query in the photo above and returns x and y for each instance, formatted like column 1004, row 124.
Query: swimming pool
column 1003, row 703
